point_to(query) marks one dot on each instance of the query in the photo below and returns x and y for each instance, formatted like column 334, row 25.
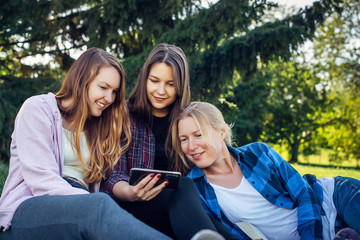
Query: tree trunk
column 294, row 152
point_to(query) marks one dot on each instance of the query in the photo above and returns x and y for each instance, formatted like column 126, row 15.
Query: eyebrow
column 194, row 132
column 153, row 76
column 108, row 85
column 169, row 80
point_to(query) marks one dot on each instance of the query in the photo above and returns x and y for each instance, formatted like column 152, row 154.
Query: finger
column 148, row 192
column 141, row 195
column 144, row 182
column 145, row 195
column 155, row 191
column 160, row 187
column 152, row 182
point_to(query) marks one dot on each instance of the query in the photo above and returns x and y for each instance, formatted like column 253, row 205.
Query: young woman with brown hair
column 61, row 147
column 161, row 92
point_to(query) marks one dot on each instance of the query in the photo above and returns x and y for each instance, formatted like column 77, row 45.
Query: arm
column 120, row 191
column 119, row 174
column 125, row 192
column 140, row 154
column 309, row 207
column 36, row 143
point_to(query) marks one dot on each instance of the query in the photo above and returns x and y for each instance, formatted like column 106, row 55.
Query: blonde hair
column 108, row 135
column 205, row 115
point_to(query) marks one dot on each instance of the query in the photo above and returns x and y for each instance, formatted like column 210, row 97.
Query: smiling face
column 102, row 90
column 196, row 147
column 160, row 88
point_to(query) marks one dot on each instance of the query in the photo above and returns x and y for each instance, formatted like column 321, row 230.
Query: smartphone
column 137, row 174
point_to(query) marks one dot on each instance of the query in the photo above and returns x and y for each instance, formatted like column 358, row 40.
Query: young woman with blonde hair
column 254, row 184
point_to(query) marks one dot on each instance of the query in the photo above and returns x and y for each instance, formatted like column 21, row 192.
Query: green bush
column 4, row 170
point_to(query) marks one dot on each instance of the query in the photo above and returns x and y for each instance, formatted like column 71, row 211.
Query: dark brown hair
column 139, row 104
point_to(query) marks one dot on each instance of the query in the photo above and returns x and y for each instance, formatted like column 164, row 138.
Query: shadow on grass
column 327, row 166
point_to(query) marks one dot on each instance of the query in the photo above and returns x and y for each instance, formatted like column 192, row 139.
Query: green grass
column 320, row 165
column 327, row 171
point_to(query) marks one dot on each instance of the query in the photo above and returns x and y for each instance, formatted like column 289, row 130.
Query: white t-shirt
column 72, row 166
column 245, row 204
column 328, row 220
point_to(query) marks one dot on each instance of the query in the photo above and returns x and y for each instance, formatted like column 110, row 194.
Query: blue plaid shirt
column 276, row 180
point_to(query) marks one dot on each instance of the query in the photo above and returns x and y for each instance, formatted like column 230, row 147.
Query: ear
column 223, row 132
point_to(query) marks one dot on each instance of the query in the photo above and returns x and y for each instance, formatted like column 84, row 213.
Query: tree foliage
column 224, row 40
column 337, row 54
column 293, row 105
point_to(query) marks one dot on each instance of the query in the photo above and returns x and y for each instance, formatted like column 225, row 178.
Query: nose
column 161, row 89
column 109, row 96
column 192, row 144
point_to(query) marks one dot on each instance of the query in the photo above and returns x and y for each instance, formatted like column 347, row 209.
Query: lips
column 197, row 156
column 101, row 105
column 159, row 99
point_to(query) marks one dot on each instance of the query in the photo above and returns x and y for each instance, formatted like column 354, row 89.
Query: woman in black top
column 161, row 92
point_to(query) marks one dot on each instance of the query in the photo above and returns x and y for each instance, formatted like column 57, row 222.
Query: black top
column 160, row 128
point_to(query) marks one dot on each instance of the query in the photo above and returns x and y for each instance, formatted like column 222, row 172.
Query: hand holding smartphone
column 137, row 174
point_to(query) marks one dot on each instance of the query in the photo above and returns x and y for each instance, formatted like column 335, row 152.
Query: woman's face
column 160, row 88
column 103, row 90
column 196, row 147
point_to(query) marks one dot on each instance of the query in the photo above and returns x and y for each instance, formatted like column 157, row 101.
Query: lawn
column 327, row 171
column 319, row 165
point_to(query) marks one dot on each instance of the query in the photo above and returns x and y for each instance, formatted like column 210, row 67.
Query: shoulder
column 195, row 173
column 259, row 153
column 138, row 125
column 141, row 132
column 41, row 101
column 39, row 106
column 257, row 148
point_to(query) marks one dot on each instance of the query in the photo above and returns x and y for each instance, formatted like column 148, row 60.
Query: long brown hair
column 139, row 104
column 108, row 135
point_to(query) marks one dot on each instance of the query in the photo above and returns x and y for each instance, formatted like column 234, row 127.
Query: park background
column 286, row 76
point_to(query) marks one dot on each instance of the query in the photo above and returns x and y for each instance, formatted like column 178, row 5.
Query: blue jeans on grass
column 88, row 216
column 347, row 202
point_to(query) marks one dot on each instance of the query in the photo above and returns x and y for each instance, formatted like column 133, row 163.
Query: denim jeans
column 88, row 216
column 347, row 202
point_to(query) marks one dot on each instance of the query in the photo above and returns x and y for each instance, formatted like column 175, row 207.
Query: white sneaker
column 207, row 234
